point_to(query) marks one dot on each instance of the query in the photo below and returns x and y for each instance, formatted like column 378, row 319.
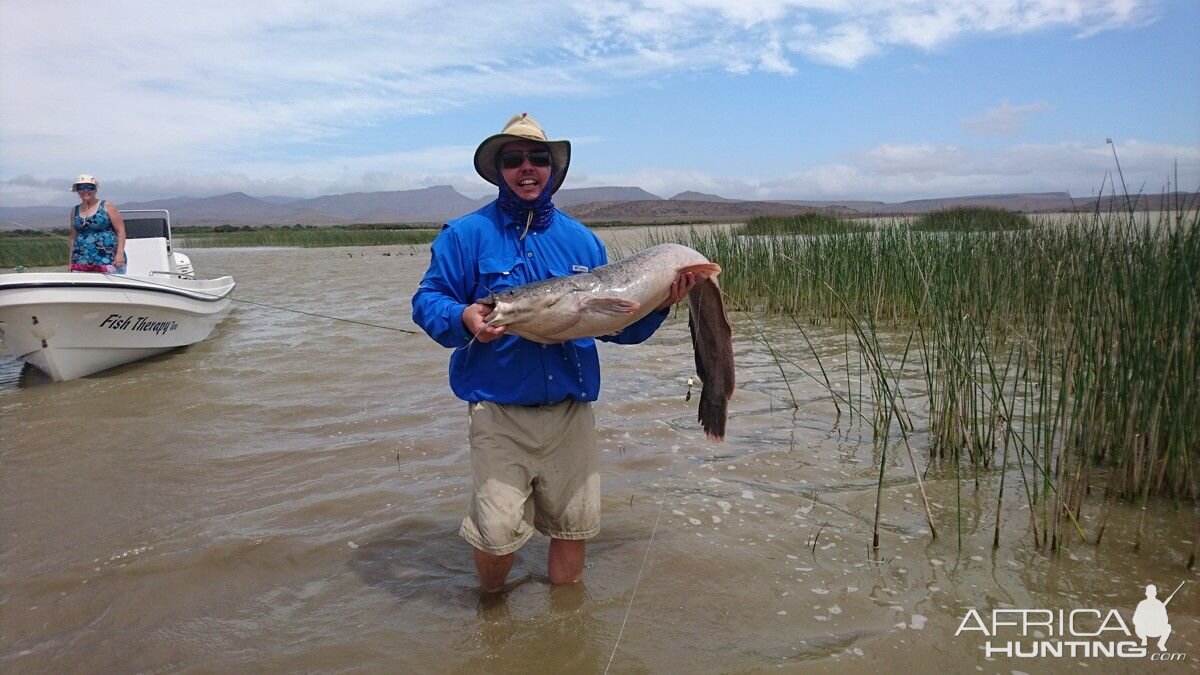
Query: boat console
column 148, row 243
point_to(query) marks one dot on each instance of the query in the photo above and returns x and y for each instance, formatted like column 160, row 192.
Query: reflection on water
column 285, row 495
column 15, row 374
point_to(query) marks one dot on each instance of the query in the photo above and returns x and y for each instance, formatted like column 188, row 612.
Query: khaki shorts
column 534, row 468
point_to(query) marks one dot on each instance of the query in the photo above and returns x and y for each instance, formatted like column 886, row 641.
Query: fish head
column 517, row 306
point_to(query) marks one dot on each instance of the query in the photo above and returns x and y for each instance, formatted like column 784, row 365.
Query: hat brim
column 485, row 158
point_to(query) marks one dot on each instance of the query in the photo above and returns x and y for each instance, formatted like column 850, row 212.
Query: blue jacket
column 481, row 253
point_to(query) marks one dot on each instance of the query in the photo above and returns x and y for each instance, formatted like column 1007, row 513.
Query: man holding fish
column 534, row 461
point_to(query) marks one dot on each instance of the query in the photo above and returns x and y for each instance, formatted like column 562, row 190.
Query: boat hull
column 72, row 325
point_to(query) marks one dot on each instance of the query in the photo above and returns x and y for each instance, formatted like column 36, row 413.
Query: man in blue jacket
column 534, row 462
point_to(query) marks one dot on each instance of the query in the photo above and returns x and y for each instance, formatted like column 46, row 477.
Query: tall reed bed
column 804, row 223
column 33, row 250
column 1067, row 353
column 971, row 219
column 44, row 249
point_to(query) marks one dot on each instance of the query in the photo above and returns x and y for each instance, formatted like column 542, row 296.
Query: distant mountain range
column 440, row 203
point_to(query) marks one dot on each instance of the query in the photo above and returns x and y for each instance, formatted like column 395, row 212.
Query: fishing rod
column 1174, row 592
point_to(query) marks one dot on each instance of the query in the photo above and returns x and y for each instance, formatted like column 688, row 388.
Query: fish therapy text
column 138, row 323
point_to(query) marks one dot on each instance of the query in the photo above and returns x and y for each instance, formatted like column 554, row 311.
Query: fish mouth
column 499, row 315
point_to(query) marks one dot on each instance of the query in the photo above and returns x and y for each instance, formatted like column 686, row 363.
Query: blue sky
column 756, row 99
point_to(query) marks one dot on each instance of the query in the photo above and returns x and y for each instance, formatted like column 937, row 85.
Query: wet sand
column 285, row 496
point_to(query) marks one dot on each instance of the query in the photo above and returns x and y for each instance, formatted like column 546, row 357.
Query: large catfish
column 614, row 296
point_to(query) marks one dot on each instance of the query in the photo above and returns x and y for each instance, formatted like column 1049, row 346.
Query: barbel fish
column 609, row 298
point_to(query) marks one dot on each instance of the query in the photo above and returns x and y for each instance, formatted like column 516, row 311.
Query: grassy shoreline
column 29, row 248
column 306, row 238
column 48, row 248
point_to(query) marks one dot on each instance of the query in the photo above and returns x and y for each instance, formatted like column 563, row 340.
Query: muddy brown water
column 284, row 496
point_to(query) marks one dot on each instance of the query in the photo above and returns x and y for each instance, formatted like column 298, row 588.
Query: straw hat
column 85, row 179
column 521, row 128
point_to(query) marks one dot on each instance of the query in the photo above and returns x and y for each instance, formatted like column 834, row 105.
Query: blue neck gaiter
column 518, row 209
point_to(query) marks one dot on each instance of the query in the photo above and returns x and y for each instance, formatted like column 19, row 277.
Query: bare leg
column 566, row 560
column 492, row 569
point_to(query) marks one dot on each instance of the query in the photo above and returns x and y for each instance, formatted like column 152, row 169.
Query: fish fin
column 702, row 270
column 712, row 342
column 610, row 305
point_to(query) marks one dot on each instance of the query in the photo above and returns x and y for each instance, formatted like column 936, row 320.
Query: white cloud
column 227, row 88
column 887, row 172
column 165, row 82
column 913, row 159
column 438, row 165
column 843, row 45
column 1004, row 119
column 897, row 172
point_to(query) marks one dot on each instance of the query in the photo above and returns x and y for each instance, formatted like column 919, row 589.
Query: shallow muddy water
column 285, row 495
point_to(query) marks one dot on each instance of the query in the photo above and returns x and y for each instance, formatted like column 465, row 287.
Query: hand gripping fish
column 616, row 295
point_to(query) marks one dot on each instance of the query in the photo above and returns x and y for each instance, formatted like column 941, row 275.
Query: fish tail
column 712, row 342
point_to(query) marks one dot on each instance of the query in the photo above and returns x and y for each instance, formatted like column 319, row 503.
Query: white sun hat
column 85, row 179
column 521, row 127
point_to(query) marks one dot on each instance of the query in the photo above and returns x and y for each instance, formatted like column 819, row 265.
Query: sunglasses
column 511, row 159
column 84, row 187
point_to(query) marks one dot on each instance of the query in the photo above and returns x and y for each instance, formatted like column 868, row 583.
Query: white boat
column 72, row 324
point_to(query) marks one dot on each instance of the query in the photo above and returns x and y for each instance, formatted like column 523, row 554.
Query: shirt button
column 529, row 255
column 549, row 377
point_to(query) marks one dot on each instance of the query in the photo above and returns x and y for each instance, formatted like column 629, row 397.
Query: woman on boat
column 97, row 231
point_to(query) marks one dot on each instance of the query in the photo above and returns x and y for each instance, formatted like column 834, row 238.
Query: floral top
column 95, row 238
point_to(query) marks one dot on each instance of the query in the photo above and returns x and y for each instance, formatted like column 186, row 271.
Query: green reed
column 971, row 219
column 804, row 223
column 33, row 250
column 307, row 238
column 45, row 249
column 1068, row 350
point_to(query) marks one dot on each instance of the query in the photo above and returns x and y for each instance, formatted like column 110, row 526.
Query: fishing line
column 326, row 316
column 143, row 280
column 638, row 581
